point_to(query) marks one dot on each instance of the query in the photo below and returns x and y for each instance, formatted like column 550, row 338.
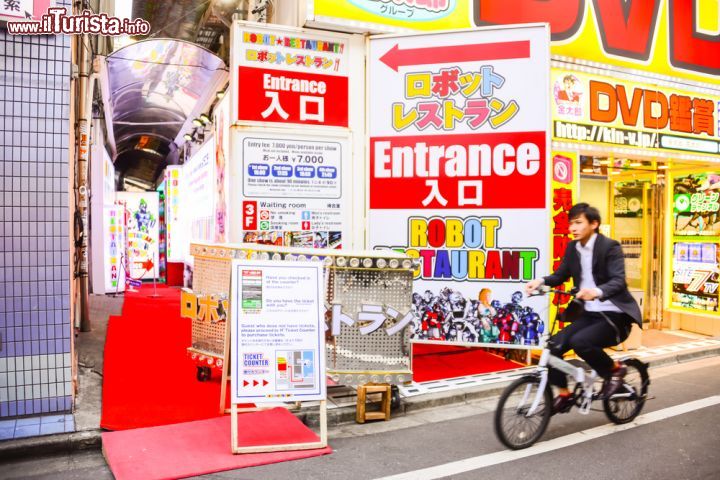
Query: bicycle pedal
column 584, row 407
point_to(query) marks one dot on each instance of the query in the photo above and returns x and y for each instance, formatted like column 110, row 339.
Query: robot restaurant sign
column 451, row 248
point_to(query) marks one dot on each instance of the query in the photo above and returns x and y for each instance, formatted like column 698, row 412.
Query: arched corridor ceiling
column 153, row 90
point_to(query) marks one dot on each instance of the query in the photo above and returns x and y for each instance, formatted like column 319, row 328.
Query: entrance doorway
column 629, row 194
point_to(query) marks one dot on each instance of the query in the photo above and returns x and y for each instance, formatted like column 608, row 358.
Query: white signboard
column 199, row 182
column 174, row 229
column 292, row 188
column 458, row 127
column 114, row 240
column 277, row 331
column 17, row 9
column 199, row 191
column 291, row 168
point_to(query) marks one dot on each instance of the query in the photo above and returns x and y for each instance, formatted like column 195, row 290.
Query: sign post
column 277, row 341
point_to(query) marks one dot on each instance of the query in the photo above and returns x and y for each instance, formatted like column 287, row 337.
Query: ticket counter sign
column 596, row 109
column 458, row 177
column 277, row 331
column 289, row 76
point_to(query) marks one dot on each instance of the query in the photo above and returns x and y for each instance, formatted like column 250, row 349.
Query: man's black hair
column 591, row 213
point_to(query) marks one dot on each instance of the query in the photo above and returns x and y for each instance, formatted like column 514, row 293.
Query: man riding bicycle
column 597, row 267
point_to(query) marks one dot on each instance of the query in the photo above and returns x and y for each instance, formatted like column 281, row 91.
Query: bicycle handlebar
column 543, row 290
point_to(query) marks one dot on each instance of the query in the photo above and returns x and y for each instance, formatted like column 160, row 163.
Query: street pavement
column 459, row 442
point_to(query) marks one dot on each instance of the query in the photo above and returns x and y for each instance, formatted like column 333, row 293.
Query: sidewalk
column 659, row 348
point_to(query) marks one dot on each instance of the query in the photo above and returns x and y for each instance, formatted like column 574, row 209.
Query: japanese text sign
column 458, row 128
column 458, row 119
column 289, row 76
column 591, row 108
column 277, row 331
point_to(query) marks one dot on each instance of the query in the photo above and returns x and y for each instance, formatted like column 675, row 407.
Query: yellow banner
column 677, row 38
column 602, row 110
column 565, row 183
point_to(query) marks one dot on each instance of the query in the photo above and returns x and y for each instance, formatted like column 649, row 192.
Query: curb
column 92, row 439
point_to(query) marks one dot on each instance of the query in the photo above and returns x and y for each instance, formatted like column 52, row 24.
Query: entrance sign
column 289, row 76
column 459, row 177
column 277, row 331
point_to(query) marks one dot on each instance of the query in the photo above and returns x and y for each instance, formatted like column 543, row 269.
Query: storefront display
column 696, row 271
column 696, row 204
column 142, row 229
column 459, row 176
column 695, row 241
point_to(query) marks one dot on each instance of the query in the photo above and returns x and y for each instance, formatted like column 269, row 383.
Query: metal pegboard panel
column 208, row 337
column 376, row 351
column 212, row 276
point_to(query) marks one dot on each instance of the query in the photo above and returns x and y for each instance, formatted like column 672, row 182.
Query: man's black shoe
column 562, row 404
column 613, row 384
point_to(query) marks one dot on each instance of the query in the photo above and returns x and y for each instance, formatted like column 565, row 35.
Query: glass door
column 635, row 211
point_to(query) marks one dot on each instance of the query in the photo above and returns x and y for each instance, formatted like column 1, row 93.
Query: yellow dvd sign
column 678, row 38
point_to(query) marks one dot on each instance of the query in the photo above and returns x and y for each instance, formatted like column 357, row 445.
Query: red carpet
column 148, row 380
column 435, row 362
column 202, row 447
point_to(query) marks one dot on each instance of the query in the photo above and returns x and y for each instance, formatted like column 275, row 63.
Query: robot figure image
column 531, row 327
column 145, row 220
column 452, row 317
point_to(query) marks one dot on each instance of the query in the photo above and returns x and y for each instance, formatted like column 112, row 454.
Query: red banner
column 493, row 170
column 282, row 96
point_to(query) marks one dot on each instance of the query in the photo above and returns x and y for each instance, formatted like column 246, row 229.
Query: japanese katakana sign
column 289, row 76
column 696, row 204
column 591, row 108
column 458, row 174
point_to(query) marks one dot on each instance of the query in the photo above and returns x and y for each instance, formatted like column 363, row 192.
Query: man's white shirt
column 587, row 280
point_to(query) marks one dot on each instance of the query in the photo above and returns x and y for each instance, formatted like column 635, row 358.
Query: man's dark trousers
column 588, row 335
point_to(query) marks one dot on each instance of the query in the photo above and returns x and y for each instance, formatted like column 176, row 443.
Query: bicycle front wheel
column 515, row 426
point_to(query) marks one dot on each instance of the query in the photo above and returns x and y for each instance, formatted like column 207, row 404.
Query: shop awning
column 152, row 91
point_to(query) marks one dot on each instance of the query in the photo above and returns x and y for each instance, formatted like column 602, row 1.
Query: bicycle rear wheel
column 513, row 426
column 628, row 402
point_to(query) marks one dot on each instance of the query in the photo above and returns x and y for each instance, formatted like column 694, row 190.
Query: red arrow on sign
column 395, row 57
column 147, row 264
column 255, row 383
column 245, row 383
column 265, row 382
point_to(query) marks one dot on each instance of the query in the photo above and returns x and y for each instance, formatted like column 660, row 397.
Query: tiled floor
column 34, row 426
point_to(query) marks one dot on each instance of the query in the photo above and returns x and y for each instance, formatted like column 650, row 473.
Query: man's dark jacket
column 608, row 268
